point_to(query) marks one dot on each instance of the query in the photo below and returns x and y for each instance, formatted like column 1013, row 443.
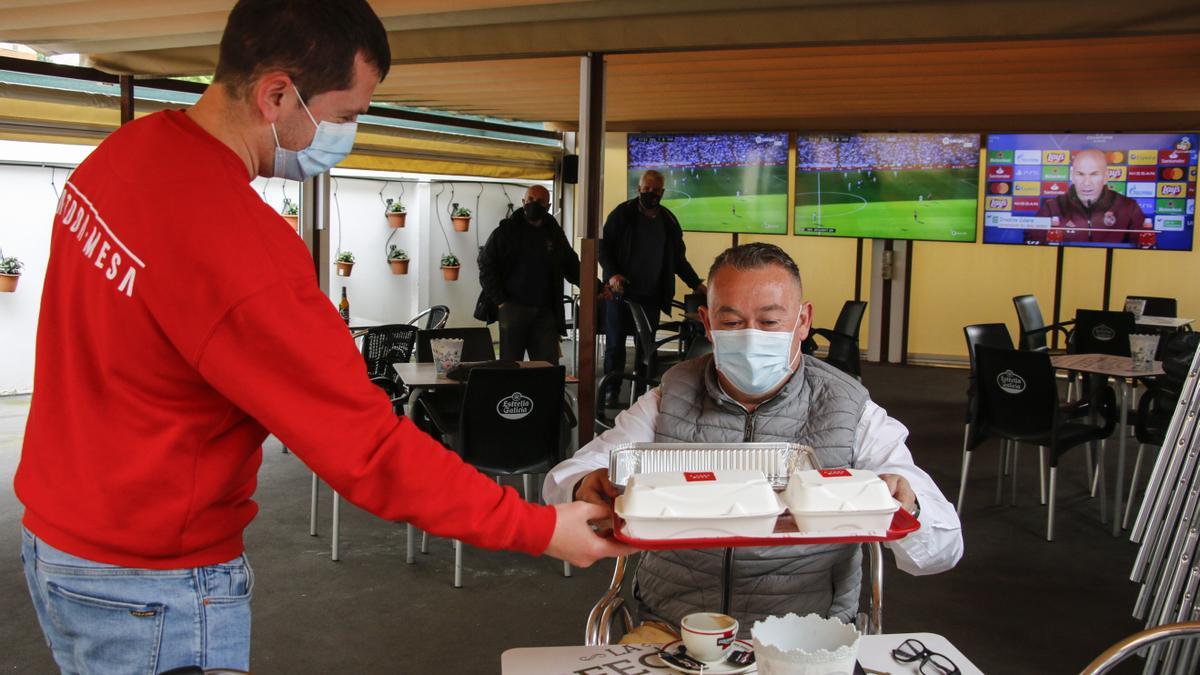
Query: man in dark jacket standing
column 641, row 253
column 521, row 269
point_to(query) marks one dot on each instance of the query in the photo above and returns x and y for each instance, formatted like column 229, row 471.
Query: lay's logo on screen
column 1056, row 157
column 1055, row 188
column 1027, row 188
column 999, row 203
column 1172, row 189
column 1115, row 173
column 1173, row 157
column 1143, row 157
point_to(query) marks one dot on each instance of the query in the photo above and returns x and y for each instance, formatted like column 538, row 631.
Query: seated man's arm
column 635, row 425
column 879, row 447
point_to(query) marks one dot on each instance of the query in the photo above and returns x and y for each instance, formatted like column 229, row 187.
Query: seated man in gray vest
column 757, row 386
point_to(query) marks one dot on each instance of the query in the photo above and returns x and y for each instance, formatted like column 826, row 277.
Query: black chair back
column 435, row 317
column 850, row 319
column 1157, row 306
column 1029, row 315
column 644, row 337
column 987, row 334
column 384, row 345
column 477, row 343
column 1018, row 396
column 1101, row 332
column 511, row 419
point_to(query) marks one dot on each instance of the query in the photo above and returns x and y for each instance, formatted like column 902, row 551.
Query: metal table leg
column 1123, row 430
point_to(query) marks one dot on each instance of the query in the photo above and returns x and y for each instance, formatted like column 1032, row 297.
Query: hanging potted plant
column 461, row 217
column 398, row 260
column 345, row 263
column 290, row 212
column 10, row 272
column 450, row 267
column 395, row 213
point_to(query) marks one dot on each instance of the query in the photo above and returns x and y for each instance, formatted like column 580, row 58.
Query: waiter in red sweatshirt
column 173, row 341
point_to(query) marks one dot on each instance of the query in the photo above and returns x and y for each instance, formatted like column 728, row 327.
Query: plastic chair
column 1034, row 327
column 1018, row 400
column 648, row 366
column 597, row 630
column 1101, row 332
column 510, row 424
column 1139, row 641
column 382, row 346
column 843, row 339
column 991, row 335
column 435, row 317
column 1156, row 306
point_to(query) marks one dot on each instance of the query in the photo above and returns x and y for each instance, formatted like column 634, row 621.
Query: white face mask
column 329, row 146
column 755, row 361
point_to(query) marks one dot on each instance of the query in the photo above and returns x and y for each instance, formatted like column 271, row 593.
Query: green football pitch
column 885, row 204
column 760, row 214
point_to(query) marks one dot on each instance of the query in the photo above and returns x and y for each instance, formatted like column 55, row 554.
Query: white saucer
column 717, row 667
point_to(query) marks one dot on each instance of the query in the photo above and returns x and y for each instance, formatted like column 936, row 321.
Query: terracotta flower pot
column 344, row 269
column 399, row 266
column 292, row 220
column 8, row 282
column 396, row 219
column 450, row 273
column 461, row 223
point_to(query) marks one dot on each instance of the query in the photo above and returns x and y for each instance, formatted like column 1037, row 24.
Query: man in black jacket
column 521, row 269
column 641, row 253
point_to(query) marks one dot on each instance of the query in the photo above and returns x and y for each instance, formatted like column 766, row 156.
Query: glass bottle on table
column 344, row 307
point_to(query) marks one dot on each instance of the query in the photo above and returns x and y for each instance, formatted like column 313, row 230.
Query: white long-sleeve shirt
column 878, row 446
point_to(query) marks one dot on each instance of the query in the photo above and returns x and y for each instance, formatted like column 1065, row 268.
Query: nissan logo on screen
column 1010, row 382
column 514, row 407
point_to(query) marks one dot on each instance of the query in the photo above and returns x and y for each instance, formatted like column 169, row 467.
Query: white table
column 1164, row 322
column 874, row 653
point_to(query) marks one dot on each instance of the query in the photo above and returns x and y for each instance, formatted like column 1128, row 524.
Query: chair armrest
column 444, row 426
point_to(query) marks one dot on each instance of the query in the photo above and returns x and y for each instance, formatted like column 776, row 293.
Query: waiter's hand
column 574, row 540
column 901, row 490
column 606, row 292
column 617, row 283
column 595, row 488
column 701, row 288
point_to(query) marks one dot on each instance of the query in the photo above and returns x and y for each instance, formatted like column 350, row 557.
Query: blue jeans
column 102, row 619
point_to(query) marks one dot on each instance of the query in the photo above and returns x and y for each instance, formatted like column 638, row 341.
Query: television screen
column 1102, row 190
column 727, row 182
column 888, row 186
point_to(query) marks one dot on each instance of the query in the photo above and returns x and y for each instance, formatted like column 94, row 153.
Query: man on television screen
column 1089, row 211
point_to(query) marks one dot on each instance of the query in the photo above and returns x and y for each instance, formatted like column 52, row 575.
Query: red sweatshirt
column 181, row 320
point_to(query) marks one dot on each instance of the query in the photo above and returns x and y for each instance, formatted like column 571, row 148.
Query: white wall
column 27, row 202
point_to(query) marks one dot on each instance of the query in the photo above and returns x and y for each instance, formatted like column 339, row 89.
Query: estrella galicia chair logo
column 1103, row 332
column 1010, row 382
column 515, row 407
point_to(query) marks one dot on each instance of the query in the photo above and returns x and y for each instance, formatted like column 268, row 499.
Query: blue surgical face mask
column 754, row 361
column 329, row 145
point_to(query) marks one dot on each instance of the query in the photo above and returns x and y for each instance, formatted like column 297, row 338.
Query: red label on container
column 693, row 476
column 835, row 473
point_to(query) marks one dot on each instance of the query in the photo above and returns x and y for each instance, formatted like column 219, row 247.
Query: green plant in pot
column 345, row 263
column 450, row 267
column 461, row 217
column 10, row 272
column 397, row 259
column 396, row 213
column 290, row 211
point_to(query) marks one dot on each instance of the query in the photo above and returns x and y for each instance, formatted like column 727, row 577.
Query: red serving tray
column 903, row 524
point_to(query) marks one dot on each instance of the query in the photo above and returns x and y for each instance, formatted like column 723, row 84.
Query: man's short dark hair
column 313, row 41
column 755, row 256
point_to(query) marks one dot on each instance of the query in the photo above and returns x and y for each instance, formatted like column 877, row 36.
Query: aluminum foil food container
column 776, row 461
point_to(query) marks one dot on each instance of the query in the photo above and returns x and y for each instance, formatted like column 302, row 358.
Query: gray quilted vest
column 820, row 406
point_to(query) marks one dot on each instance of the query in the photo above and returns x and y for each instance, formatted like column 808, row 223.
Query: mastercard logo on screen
column 1172, row 173
column 999, row 188
column 1116, row 157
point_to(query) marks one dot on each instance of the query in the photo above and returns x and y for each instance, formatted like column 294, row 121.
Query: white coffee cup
column 708, row 635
